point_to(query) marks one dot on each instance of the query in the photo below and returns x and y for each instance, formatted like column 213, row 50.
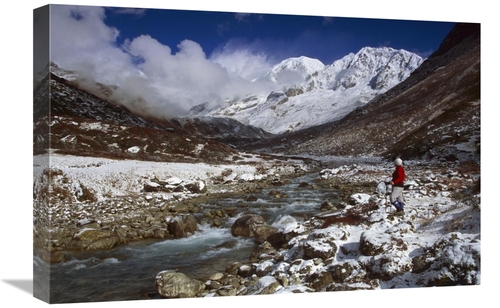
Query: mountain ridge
column 433, row 114
column 313, row 93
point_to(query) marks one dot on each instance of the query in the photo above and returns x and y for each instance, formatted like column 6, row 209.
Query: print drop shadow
column 22, row 284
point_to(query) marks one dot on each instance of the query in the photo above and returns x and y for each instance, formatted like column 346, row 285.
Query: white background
column 16, row 274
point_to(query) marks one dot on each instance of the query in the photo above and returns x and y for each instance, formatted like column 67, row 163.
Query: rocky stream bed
column 353, row 242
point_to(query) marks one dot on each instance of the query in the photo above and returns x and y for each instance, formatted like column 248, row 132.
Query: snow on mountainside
column 311, row 93
column 294, row 70
column 435, row 113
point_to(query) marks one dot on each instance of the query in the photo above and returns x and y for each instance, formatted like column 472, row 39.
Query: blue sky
column 279, row 36
column 176, row 59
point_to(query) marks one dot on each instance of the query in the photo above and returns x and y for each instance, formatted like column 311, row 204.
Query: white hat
column 398, row 162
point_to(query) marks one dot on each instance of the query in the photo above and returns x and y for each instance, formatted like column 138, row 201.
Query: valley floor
column 436, row 242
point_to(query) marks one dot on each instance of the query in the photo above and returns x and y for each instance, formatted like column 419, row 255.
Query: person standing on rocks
column 397, row 182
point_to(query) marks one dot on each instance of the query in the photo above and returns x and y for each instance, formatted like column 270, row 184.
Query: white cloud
column 242, row 62
column 150, row 77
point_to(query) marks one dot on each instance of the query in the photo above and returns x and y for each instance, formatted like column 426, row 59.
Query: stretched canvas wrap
column 192, row 154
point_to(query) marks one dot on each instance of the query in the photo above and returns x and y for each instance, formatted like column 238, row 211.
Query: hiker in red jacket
column 398, row 178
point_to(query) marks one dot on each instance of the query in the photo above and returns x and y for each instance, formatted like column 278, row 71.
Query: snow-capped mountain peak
column 383, row 67
column 302, row 64
column 311, row 93
column 293, row 70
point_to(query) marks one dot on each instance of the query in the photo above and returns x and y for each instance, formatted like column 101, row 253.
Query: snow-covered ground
column 75, row 193
column 436, row 242
column 110, row 178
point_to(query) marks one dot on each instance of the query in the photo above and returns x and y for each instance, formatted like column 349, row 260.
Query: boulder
column 263, row 232
column 196, row 187
column 216, row 276
column 455, row 260
column 349, row 271
column 386, row 266
column 264, row 268
column 179, row 208
column 388, row 255
column 263, row 251
column 267, row 285
column 302, row 268
column 321, row 248
column 359, row 198
column 92, row 239
column 281, row 237
column 152, row 187
column 320, row 280
column 251, row 198
column 331, row 233
column 303, row 185
column 182, row 225
column 372, row 243
column 276, row 193
column 227, row 291
column 327, row 206
column 171, row 284
column 233, row 268
column 245, row 225
column 174, row 181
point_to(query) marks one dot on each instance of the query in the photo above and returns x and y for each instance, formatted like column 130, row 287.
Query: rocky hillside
column 225, row 130
column 91, row 124
column 434, row 113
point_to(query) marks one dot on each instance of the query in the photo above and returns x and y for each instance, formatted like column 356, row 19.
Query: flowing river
column 128, row 272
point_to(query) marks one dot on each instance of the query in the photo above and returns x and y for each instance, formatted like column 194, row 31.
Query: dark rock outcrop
column 171, row 284
column 245, row 225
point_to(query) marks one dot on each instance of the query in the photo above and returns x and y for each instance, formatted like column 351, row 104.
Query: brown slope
column 70, row 120
column 435, row 112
